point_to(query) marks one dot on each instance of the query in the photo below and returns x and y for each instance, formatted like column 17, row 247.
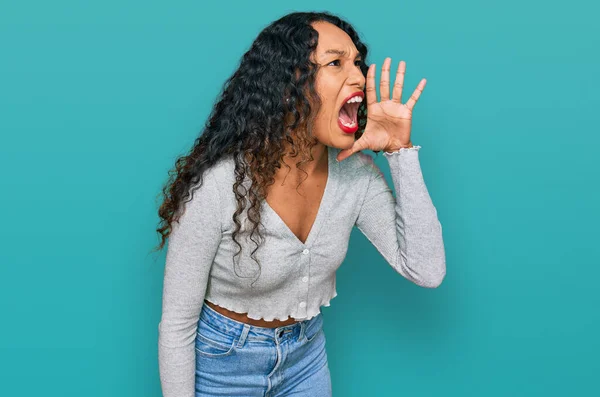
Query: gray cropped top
column 295, row 279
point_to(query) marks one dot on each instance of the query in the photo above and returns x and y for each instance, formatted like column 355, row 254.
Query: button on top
column 305, row 251
column 302, row 304
column 305, row 278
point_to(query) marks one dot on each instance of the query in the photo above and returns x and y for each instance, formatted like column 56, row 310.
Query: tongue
column 345, row 116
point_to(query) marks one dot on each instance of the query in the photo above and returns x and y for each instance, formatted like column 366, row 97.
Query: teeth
column 355, row 99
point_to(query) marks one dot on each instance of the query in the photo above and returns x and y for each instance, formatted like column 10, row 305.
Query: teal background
column 97, row 99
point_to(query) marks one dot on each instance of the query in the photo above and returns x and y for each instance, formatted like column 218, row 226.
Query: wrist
column 397, row 147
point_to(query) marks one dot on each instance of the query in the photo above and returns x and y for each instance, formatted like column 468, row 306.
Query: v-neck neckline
column 322, row 212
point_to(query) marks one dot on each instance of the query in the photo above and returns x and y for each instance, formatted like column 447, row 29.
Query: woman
column 259, row 213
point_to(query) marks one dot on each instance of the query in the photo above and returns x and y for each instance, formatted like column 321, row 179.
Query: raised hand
column 388, row 121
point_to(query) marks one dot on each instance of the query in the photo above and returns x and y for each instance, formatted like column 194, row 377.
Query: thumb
column 345, row 153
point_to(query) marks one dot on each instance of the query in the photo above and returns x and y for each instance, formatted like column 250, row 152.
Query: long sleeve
column 192, row 246
column 405, row 229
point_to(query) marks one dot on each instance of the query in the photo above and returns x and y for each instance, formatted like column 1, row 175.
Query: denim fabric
column 235, row 359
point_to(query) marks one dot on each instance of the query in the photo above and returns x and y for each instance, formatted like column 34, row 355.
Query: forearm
column 419, row 231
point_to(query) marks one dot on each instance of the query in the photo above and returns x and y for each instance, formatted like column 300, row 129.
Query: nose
column 356, row 78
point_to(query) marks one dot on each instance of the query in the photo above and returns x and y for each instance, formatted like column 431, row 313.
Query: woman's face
column 339, row 77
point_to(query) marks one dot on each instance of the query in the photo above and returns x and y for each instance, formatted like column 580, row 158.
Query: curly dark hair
column 269, row 100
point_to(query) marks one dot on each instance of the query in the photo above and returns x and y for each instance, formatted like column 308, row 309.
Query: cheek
column 328, row 92
column 327, row 110
column 326, row 128
column 326, row 120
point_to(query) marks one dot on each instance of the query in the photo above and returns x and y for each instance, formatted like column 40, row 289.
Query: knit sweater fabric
column 295, row 278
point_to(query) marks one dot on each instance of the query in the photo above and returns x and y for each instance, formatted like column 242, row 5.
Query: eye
column 357, row 62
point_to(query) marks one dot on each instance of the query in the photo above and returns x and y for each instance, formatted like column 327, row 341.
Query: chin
column 343, row 141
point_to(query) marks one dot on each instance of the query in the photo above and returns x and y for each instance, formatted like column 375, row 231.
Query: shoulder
column 222, row 168
column 221, row 173
column 210, row 187
column 364, row 160
column 359, row 166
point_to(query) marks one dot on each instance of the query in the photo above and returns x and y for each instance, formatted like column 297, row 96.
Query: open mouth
column 348, row 114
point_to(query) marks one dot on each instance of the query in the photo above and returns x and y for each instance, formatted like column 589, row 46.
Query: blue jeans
column 235, row 359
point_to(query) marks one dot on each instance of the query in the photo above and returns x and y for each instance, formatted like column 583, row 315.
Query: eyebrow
column 340, row 52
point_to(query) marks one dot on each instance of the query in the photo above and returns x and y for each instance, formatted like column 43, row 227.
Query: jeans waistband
column 234, row 327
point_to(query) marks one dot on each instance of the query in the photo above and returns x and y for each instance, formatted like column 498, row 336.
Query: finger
column 370, row 89
column 410, row 104
column 357, row 147
column 399, row 83
column 384, row 83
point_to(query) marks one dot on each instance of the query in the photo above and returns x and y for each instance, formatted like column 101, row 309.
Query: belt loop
column 302, row 329
column 243, row 335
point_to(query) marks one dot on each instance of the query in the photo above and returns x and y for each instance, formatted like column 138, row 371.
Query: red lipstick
column 347, row 129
